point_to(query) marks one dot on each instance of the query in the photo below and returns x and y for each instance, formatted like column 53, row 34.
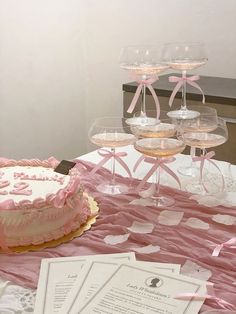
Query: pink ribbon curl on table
column 148, row 83
column 107, row 155
column 209, row 296
column 202, row 160
column 180, row 82
column 157, row 162
column 231, row 244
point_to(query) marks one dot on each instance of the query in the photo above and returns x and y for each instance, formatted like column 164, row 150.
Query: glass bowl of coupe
column 143, row 62
column 184, row 57
column 109, row 133
column 204, row 140
column 159, row 152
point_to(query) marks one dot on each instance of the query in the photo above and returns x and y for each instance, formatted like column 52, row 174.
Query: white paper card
column 59, row 275
column 95, row 274
column 131, row 289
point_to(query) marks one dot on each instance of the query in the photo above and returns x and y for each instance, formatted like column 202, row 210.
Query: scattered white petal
column 139, row 227
column 194, row 270
column 147, row 249
column 170, row 218
column 197, row 223
column 206, row 200
column 149, row 192
column 116, row 239
column 142, row 202
column 224, row 219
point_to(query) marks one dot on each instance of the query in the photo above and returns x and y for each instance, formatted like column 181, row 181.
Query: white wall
column 59, row 62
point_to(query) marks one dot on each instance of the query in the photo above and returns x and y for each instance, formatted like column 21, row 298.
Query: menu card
column 95, row 274
column 114, row 283
column 138, row 289
column 59, row 275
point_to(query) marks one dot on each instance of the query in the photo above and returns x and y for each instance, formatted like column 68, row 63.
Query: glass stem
column 113, row 168
column 143, row 104
column 184, row 90
column 158, row 177
column 201, row 174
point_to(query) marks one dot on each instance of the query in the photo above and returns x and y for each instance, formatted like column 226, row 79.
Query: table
column 18, row 299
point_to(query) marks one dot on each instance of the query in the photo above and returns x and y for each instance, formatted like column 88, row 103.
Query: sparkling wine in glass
column 184, row 57
column 205, row 140
column 144, row 65
column 111, row 132
column 161, row 149
column 165, row 128
column 206, row 122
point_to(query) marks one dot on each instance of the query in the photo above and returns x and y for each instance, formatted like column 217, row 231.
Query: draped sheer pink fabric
column 177, row 243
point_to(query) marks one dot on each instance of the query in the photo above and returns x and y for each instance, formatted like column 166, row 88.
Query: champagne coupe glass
column 204, row 140
column 164, row 128
column 206, row 121
column 162, row 149
column 184, row 57
column 111, row 132
column 144, row 66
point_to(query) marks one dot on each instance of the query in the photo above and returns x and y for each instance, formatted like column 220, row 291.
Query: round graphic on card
column 153, row 282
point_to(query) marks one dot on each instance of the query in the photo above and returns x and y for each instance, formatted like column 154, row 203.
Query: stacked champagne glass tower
column 160, row 135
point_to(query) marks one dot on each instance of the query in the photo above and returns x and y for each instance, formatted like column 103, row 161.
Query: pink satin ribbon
column 202, row 160
column 180, row 81
column 229, row 244
column 157, row 162
column 106, row 154
column 146, row 83
column 210, row 296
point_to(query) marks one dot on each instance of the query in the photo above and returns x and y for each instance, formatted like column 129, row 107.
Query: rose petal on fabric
column 142, row 202
column 197, row 223
column 116, row 239
column 170, row 218
column 194, row 270
column 149, row 192
column 206, row 200
column 147, row 249
column 139, row 227
column 224, row 219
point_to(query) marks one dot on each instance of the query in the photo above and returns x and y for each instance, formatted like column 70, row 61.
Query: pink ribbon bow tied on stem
column 202, row 160
column 107, row 155
column 148, row 83
column 180, row 82
column 157, row 162
column 231, row 244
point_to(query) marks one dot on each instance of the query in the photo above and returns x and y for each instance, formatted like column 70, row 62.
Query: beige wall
column 59, row 62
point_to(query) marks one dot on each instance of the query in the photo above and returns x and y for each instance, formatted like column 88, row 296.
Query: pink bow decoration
column 62, row 195
column 228, row 244
column 106, row 154
column 202, row 160
column 146, row 83
column 157, row 162
column 210, row 296
column 180, row 81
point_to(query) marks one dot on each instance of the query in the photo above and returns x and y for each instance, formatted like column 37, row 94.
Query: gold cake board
column 74, row 234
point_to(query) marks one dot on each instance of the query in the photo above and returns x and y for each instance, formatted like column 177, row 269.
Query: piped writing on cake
column 24, row 176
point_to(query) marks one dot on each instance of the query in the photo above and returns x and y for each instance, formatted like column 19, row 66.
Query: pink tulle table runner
column 192, row 238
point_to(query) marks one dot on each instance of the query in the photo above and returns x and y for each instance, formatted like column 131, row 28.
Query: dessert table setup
column 147, row 200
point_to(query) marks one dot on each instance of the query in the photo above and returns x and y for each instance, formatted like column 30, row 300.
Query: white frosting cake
column 37, row 204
